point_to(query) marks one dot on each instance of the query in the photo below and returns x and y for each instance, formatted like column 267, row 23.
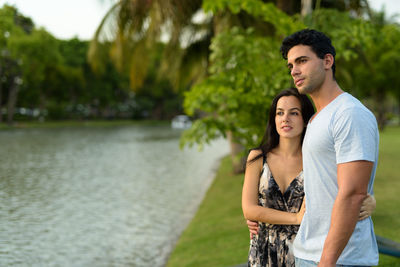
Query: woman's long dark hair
column 270, row 139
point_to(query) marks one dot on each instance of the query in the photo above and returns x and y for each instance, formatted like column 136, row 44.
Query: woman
column 273, row 186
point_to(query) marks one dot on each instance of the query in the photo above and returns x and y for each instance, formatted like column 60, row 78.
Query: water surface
column 92, row 196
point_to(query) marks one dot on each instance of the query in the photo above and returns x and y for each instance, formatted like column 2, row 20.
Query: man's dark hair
column 318, row 41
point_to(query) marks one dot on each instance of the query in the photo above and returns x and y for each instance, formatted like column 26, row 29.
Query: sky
column 66, row 19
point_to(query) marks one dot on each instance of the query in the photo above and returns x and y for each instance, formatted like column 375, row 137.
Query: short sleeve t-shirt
column 344, row 131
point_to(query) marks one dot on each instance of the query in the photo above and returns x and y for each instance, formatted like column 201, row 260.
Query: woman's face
column 288, row 118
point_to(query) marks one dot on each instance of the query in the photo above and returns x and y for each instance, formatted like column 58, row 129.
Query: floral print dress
column 272, row 246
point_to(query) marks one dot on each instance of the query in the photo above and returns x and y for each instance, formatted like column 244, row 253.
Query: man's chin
column 302, row 90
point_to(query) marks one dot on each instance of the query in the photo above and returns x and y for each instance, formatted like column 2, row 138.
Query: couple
column 337, row 158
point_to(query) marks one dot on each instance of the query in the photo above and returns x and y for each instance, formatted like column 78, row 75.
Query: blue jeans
column 306, row 263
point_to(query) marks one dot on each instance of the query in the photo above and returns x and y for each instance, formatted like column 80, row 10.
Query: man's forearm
column 343, row 220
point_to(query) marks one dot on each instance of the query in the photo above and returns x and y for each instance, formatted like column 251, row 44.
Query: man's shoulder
column 351, row 107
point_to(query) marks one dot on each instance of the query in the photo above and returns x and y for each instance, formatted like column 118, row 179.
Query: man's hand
column 300, row 214
column 326, row 265
column 253, row 228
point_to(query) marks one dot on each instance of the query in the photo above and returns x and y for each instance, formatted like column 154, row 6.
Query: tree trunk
column 238, row 160
column 287, row 6
column 398, row 107
column 306, row 8
column 1, row 95
column 12, row 100
column 380, row 108
column 1, row 103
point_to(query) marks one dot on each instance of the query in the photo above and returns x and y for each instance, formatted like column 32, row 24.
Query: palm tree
column 131, row 29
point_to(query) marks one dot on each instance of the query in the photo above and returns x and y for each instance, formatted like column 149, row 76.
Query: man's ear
column 328, row 61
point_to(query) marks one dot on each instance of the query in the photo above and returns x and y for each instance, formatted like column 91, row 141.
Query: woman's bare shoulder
column 255, row 153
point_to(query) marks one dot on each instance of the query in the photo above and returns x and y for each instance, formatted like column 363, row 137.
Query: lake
column 98, row 196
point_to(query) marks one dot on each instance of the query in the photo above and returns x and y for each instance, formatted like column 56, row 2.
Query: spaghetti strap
column 263, row 165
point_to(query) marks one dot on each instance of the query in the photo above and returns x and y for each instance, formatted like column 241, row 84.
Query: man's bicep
column 353, row 177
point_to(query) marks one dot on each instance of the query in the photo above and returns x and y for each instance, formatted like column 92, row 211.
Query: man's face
column 306, row 68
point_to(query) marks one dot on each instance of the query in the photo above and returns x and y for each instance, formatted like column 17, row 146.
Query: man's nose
column 295, row 71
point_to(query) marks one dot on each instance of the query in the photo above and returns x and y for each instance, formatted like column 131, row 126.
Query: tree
column 135, row 27
column 39, row 55
column 230, row 95
column 239, row 30
column 246, row 71
column 13, row 26
column 139, row 25
column 366, row 57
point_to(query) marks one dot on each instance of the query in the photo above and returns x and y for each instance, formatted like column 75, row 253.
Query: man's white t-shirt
column 343, row 131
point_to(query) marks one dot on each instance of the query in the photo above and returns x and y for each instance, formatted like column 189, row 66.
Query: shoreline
column 77, row 123
column 217, row 235
column 210, row 179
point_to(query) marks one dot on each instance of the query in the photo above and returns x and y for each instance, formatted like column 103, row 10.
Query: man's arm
column 353, row 178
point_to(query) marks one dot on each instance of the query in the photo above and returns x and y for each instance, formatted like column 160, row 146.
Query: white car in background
column 181, row 122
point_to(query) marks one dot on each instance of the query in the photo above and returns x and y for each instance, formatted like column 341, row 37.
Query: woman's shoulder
column 254, row 153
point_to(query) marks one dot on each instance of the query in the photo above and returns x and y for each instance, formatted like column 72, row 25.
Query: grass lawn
column 218, row 235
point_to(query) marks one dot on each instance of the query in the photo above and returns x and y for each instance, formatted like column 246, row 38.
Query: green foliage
column 58, row 81
column 245, row 74
column 38, row 53
column 367, row 55
column 246, row 71
column 266, row 12
column 134, row 28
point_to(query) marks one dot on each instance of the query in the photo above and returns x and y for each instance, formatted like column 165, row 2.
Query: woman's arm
column 251, row 210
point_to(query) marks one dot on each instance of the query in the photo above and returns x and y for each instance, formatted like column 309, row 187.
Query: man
column 340, row 154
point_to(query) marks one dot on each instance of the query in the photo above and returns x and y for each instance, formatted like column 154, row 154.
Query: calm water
column 116, row 196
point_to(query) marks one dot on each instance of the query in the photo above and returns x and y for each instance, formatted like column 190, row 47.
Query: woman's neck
column 288, row 147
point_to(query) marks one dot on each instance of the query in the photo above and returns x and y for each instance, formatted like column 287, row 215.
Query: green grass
column 387, row 191
column 218, row 235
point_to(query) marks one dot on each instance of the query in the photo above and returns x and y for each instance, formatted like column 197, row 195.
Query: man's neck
column 326, row 94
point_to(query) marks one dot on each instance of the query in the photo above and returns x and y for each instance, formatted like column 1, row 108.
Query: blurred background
column 114, row 114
